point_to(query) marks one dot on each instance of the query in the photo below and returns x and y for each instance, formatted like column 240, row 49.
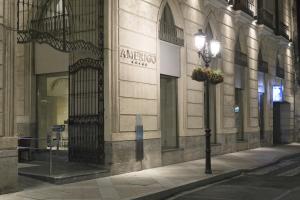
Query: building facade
column 105, row 68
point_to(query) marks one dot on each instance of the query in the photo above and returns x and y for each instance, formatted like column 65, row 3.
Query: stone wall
column 135, row 88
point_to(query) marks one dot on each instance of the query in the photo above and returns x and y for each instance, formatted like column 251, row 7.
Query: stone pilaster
column 8, row 143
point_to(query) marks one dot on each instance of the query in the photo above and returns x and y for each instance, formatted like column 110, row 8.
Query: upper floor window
column 248, row 6
column 262, row 65
column 265, row 13
column 240, row 57
column 168, row 31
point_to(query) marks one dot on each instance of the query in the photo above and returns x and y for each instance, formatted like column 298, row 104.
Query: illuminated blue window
column 277, row 93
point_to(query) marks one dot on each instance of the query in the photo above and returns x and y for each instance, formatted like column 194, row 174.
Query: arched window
column 209, row 33
column 279, row 69
column 240, row 57
column 168, row 31
column 262, row 65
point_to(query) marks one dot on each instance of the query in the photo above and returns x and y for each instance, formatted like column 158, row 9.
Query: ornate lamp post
column 207, row 49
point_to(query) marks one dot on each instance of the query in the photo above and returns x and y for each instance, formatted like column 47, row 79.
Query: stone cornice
column 241, row 16
column 216, row 3
column 265, row 30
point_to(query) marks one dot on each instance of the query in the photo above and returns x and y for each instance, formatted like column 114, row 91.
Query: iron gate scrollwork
column 86, row 111
column 66, row 25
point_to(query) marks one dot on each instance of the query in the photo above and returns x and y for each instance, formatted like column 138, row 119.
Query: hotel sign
column 139, row 58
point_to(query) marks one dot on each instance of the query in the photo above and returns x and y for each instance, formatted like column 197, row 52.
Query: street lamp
column 207, row 49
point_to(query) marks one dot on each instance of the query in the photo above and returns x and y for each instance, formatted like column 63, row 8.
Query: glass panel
column 52, row 97
column 168, row 106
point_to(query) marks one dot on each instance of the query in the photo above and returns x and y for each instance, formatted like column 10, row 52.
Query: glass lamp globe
column 200, row 39
column 215, row 47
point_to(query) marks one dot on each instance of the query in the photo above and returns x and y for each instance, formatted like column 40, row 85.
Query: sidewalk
column 157, row 183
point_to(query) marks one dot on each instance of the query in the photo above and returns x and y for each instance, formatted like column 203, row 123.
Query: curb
column 163, row 194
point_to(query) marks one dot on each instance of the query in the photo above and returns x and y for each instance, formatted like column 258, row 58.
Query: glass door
column 52, row 109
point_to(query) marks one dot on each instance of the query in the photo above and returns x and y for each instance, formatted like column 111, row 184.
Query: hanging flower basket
column 215, row 77
column 202, row 74
column 199, row 74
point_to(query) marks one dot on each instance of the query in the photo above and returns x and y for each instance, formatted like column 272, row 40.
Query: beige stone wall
column 137, row 86
column 135, row 89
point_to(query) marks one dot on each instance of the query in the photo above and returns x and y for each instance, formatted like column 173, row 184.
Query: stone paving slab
column 157, row 183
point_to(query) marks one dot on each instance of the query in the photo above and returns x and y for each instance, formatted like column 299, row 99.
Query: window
column 168, row 31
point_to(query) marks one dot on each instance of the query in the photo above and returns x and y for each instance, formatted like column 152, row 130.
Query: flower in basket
column 215, row 77
column 200, row 74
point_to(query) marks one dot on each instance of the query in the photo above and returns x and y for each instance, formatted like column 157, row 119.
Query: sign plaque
column 138, row 58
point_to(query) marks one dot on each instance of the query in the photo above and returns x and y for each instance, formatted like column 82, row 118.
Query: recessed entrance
column 67, row 53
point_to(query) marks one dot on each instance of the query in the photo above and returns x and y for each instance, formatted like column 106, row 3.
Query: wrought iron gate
column 74, row 26
column 86, row 109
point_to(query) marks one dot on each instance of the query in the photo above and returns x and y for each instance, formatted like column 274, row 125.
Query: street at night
column 276, row 182
column 149, row 99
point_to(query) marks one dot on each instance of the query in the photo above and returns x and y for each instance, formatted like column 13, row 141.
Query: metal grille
column 86, row 111
column 168, row 31
column 241, row 58
column 266, row 18
column 280, row 72
column 263, row 66
column 284, row 30
column 66, row 25
column 245, row 5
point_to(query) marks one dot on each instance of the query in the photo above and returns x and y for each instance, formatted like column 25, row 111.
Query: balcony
column 171, row 33
column 280, row 72
column 265, row 18
column 246, row 6
column 282, row 29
